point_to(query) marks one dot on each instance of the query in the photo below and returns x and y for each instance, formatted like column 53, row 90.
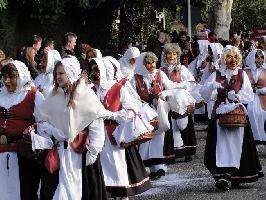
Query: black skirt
column 93, row 186
column 189, row 140
column 250, row 168
column 137, row 175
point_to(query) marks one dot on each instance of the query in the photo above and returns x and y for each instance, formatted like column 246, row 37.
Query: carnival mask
column 259, row 59
column 172, row 58
column 232, row 59
column 150, row 66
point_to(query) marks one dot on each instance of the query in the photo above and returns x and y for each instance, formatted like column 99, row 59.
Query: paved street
column 193, row 181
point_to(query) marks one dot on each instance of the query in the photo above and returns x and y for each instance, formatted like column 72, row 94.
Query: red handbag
column 81, row 140
column 52, row 160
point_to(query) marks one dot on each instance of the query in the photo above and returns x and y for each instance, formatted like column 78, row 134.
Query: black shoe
column 222, row 184
column 188, row 158
column 160, row 173
column 152, row 174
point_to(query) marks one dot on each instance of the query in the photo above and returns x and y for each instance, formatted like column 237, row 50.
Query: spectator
column 69, row 43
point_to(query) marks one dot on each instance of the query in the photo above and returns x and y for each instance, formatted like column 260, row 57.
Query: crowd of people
column 101, row 127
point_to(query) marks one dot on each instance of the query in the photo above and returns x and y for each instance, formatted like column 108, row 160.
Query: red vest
column 235, row 84
column 142, row 90
column 112, row 102
column 174, row 76
column 17, row 118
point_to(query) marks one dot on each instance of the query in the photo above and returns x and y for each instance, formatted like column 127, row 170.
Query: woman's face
column 43, row 63
column 10, row 81
column 132, row 61
column 259, row 59
column 90, row 55
column 172, row 58
column 232, row 59
column 150, row 66
column 61, row 76
column 95, row 75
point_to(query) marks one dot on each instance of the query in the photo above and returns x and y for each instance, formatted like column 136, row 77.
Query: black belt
column 110, row 121
column 4, row 139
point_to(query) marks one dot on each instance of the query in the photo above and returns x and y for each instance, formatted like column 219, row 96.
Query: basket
column 190, row 110
column 200, row 104
column 139, row 140
column 235, row 118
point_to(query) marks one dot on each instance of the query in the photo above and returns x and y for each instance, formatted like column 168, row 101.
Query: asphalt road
column 193, row 181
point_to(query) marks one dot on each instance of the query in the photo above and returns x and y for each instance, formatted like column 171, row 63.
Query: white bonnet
column 72, row 68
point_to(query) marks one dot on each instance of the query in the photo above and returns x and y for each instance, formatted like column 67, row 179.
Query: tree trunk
column 222, row 17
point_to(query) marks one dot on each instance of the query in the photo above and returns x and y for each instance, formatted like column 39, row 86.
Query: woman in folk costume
column 64, row 114
column 44, row 81
column 19, row 103
column 91, row 53
column 180, row 139
column 230, row 153
column 128, row 62
column 149, row 82
column 123, row 169
column 213, row 61
column 256, row 71
column 196, row 67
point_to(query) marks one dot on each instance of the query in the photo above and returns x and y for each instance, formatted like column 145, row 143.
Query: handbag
column 80, row 141
column 24, row 146
column 52, row 160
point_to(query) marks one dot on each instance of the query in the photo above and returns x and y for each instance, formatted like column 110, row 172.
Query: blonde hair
column 226, row 52
column 69, row 89
column 149, row 58
column 28, row 55
column 170, row 47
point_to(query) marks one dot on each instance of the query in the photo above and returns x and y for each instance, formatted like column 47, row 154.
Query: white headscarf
column 24, row 84
column 132, row 52
column 250, row 60
column 223, row 68
column 110, row 72
column 126, row 68
column 72, row 68
column 140, row 67
column 24, row 78
column 52, row 57
column 217, row 50
column 113, row 61
column 98, row 53
column 203, row 48
column 102, row 69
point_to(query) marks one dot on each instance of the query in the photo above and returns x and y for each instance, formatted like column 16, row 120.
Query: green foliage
column 139, row 20
column 246, row 14
column 3, row 4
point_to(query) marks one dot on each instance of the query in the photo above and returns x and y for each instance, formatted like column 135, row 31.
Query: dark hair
column 10, row 70
column 48, row 41
column 181, row 33
column 88, row 67
column 247, row 45
column 68, row 36
column 34, row 39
